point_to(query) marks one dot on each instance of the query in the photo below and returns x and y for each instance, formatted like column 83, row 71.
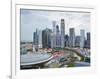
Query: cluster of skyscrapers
column 56, row 37
column 81, row 41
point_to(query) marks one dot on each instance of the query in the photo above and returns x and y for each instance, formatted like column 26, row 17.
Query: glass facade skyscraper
column 46, row 38
column 35, row 38
column 58, row 37
column 53, row 39
column 82, row 38
column 40, row 39
column 62, row 33
column 72, row 37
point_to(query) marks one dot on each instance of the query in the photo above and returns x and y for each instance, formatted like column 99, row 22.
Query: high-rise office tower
column 58, row 37
column 46, row 38
column 34, row 35
column 66, row 40
column 88, row 36
column 62, row 33
column 54, row 34
column 35, row 39
column 52, row 40
column 87, row 41
column 82, row 38
column 40, row 39
column 71, row 37
column 77, row 41
column 54, row 27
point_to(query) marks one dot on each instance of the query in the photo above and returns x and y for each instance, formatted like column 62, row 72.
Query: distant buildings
column 58, row 35
column 66, row 40
column 56, row 38
column 35, row 38
column 62, row 33
column 40, row 39
column 52, row 40
column 46, row 38
column 71, row 37
column 53, row 35
column 87, row 41
column 82, row 38
column 77, row 41
column 54, row 27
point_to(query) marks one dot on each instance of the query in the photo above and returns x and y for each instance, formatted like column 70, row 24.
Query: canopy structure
column 34, row 60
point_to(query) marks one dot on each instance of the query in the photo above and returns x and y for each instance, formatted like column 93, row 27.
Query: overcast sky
column 32, row 19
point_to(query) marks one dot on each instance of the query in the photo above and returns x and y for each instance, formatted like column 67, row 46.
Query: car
column 62, row 60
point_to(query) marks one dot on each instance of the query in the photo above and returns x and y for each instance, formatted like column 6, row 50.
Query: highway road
column 81, row 64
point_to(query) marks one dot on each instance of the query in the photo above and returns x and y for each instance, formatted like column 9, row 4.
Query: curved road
column 81, row 64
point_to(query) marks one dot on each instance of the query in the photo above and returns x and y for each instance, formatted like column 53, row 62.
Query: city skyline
column 35, row 19
column 56, row 39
